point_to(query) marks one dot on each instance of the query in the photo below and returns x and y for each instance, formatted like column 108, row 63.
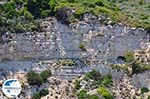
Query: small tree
column 34, row 78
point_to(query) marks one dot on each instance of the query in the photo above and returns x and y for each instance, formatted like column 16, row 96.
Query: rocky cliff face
column 90, row 39
column 104, row 42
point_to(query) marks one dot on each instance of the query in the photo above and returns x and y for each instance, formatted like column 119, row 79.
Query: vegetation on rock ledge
column 19, row 15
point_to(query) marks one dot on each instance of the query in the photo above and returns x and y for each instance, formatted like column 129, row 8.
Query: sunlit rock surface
column 62, row 41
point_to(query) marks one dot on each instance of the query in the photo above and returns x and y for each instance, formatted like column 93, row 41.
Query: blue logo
column 11, row 88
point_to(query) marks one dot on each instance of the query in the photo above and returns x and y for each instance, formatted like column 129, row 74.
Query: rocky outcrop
column 124, row 89
column 103, row 44
column 144, row 54
column 60, row 89
column 62, row 41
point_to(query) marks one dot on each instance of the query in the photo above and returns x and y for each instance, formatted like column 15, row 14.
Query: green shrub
column 19, row 28
column 107, row 80
column 53, row 4
column 144, row 90
column 37, row 6
column 139, row 67
column 104, row 92
column 99, row 3
column 82, row 95
column 129, row 56
column 93, row 97
column 88, row 4
column 44, row 92
column 45, row 74
column 141, row 2
column 94, row 74
column 45, row 13
column 34, row 78
column 71, row 1
column 36, row 96
column 77, row 85
column 82, row 47
column 41, row 93
column 28, row 15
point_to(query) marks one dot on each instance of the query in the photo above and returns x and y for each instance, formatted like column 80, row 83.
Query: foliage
column 45, row 13
column 107, row 80
column 53, row 4
column 144, row 90
column 139, row 67
column 45, row 74
column 34, row 78
column 19, row 15
column 77, row 84
column 93, row 97
column 82, row 47
column 129, row 56
column 104, row 92
column 94, row 79
column 135, row 11
column 95, row 75
column 14, row 17
column 141, row 2
column 36, row 96
column 37, row 7
column 41, row 93
column 98, row 79
column 84, row 95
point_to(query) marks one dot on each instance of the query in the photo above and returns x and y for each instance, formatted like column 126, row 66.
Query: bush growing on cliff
column 82, row 47
column 84, row 95
column 36, row 96
column 45, row 74
column 129, row 56
column 44, row 92
column 94, row 74
column 25, row 11
column 144, row 90
column 107, row 80
column 93, row 97
column 34, row 78
column 77, row 85
column 41, row 93
column 105, row 93
column 36, row 7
